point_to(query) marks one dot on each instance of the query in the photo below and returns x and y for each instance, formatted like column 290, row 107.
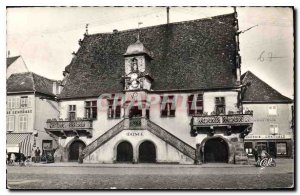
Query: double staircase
column 150, row 126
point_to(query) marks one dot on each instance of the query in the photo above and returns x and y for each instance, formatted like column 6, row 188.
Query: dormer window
column 220, row 105
column 168, row 107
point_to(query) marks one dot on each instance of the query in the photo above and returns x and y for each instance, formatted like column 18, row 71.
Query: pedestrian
column 6, row 157
column 33, row 155
column 37, row 155
column 12, row 158
column 255, row 153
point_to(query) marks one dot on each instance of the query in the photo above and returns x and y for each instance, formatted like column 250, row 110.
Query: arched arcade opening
column 147, row 152
column 75, row 149
column 124, row 152
column 216, row 151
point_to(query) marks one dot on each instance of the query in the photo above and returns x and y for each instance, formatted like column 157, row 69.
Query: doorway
column 124, row 152
column 215, row 150
column 147, row 152
column 75, row 149
column 135, row 111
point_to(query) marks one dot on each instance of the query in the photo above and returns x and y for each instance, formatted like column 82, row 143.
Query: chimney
column 115, row 30
column 8, row 53
column 55, row 91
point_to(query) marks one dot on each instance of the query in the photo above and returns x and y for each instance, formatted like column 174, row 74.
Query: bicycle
column 267, row 161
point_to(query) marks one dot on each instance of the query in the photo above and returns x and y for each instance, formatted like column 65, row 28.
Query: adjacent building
column 15, row 64
column 30, row 102
column 164, row 94
column 272, row 117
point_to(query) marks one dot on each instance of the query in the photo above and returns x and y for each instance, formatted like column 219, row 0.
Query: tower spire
column 138, row 34
column 87, row 29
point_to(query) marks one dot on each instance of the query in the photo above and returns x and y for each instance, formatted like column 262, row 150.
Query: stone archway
column 216, row 150
column 147, row 152
column 75, row 149
column 124, row 152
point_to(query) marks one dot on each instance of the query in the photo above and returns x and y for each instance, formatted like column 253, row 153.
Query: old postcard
column 150, row 98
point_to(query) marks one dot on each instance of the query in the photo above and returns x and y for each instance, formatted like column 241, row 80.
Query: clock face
column 135, row 84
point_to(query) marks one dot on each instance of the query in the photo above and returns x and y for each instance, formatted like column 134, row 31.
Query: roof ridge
column 156, row 26
column 43, row 76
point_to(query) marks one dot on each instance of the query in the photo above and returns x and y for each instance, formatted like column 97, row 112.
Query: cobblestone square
column 150, row 176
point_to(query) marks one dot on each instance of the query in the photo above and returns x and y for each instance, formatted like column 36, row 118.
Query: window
column 272, row 110
column 281, row 148
column 248, row 148
column 261, row 146
column 9, row 102
column 13, row 102
column 47, row 144
column 114, row 108
column 167, row 106
column 220, row 105
column 10, row 123
column 23, row 123
column 72, row 112
column 91, row 109
column 24, row 102
column 274, row 129
column 195, row 104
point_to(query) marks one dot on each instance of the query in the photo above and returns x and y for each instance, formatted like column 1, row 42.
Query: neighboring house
column 272, row 126
column 193, row 63
column 15, row 64
column 30, row 102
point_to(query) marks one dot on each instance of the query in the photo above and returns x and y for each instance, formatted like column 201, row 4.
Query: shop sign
column 24, row 111
column 268, row 137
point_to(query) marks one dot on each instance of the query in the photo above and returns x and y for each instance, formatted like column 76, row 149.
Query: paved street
column 149, row 176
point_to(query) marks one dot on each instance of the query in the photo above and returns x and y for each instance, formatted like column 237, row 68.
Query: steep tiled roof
column 29, row 82
column 11, row 60
column 258, row 91
column 197, row 54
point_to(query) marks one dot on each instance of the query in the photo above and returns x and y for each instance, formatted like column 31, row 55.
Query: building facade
column 162, row 94
column 272, row 118
column 30, row 102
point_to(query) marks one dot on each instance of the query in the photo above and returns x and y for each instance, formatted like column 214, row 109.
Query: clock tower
column 137, row 62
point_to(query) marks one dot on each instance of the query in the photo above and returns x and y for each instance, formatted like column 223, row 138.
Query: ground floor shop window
column 281, row 148
column 47, row 144
column 249, row 148
column 261, row 146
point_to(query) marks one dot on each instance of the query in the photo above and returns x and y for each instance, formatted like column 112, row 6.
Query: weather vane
column 138, row 35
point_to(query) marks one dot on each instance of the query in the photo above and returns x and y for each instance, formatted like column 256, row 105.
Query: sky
column 46, row 37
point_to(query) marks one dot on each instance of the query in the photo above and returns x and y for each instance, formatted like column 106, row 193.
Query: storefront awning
column 19, row 142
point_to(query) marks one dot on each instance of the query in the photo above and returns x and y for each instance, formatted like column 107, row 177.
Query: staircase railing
column 101, row 140
column 171, row 139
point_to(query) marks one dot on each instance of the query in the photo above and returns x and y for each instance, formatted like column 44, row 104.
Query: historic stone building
column 163, row 94
column 30, row 101
column 272, row 118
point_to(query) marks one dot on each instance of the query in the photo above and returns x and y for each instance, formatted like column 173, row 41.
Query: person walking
column 12, row 158
column 37, row 155
column 255, row 153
